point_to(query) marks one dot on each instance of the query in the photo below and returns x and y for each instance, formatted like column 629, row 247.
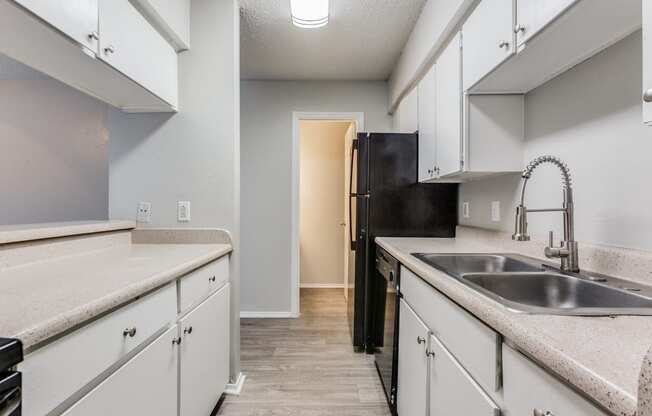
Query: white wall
column 54, row 157
column 322, row 159
column 591, row 118
column 267, row 108
column 192, row 155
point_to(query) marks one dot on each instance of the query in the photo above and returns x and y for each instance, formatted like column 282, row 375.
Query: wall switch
column 466, row 210
column 183, row 211
column 144, row 212
column 495, row 211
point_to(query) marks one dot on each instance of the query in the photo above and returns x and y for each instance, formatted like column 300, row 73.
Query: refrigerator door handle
column 354, row 148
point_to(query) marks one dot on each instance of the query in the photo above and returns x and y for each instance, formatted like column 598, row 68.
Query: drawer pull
column 538, row 412
column 188, row 330
column 176, row 341
column 129, row 331
column 212, row 279
column 421, row 340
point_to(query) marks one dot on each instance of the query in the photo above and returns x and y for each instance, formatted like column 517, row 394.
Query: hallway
column 306, row 366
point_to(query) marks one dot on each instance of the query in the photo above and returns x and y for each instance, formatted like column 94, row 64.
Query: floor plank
column 306, row 366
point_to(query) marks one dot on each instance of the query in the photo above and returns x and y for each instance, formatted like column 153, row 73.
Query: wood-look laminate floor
column 306, row 366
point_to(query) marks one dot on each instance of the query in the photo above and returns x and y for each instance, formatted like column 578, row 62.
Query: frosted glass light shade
column 309, row 14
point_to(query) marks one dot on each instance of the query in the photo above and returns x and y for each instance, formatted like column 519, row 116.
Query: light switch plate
column 466, row 210
column 183, row 211
column 495, row 211
column 144, row 212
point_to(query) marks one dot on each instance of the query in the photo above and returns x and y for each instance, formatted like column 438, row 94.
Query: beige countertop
column 42, row 299
column 599, row 356
column 31, row 232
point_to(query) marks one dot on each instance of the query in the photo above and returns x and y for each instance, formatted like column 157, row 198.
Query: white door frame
column 297, row 116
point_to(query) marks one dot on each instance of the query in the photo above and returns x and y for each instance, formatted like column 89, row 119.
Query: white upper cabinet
column 413, row 373
column 427, row 125
column 171, row 18
column 449, row 109
column 534, row 15
column 488, row 39
column 75, row 18
column 132, row 46
column 647, row 62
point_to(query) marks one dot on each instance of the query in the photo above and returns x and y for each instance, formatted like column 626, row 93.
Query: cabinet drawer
column 452, row 389
column 58, row 370
column 146, row 385
column 197, row 285
column 475, row 345
column 528, row 387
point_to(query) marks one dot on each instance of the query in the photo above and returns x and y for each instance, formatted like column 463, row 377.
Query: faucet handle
column 553, row 252
column 551, row 239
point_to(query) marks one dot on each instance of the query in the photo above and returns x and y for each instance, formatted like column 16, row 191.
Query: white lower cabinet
column 413, row 363
column 204, row 355
column 452, row 390
column 145, row 385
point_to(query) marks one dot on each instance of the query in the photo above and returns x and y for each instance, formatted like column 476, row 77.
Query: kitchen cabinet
column 528, row 390
column 488, row 39
column 77, row 19
column 132, row 46
column 145, row 385
column 448, row 87
column 406, row 118
column 427, row 106
column 452, row 390
column 533, row 16
column 204, row 355
column 413, row 363
column 647, row 62
column 171, row 18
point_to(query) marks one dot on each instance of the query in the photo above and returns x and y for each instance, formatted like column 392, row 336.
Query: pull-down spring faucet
column 568, row 252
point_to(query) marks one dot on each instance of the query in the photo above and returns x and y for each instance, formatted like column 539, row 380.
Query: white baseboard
column 270, row 315
column 235, row 389
column 322, row 286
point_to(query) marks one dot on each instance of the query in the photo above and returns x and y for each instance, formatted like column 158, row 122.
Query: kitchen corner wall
column 54, row 150
column 267, row 108
column 591, row 118
column 192, row 155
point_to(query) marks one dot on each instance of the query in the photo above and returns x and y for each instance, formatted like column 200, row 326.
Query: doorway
column 322, row 143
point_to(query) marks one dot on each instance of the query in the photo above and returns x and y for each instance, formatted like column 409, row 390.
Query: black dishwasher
column 386, row 323
column 11, row 353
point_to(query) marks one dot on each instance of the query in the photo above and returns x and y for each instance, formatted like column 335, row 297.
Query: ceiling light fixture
column 309, row 14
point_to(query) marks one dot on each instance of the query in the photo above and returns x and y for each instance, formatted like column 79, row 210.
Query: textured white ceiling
column 362, row 41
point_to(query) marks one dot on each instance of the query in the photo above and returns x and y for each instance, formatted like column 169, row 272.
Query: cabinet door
column 146, row 385
column 534, row 15
column 75, row 18
column 488, row 39
column 132, row 46
column 412, row 363
column 205, row 355
column 449, row 109
column 452, row 390
column 647, row 62
column 427, row 117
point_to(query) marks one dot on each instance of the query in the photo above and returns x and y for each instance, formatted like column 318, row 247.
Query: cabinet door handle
column 647, row 96
column 129, row 331
column 538, row 412
column 430, row 354
column 94, row 36
column 519, row 29
column 176, row 341
column 188, row 330
column 211, row 279
column 421, row 340
column 503, row 44
column 109, row 49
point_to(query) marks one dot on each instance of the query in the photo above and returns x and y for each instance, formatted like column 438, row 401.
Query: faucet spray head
column 520, row 228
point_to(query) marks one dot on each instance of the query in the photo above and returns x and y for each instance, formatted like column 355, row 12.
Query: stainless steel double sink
column 526, row 285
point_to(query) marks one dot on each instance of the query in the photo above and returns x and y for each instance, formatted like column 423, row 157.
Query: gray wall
column 267, row 108
column 54, row 158
column 192, row 155
column 591, row 118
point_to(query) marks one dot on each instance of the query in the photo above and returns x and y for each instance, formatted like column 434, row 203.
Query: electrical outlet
column 144, row 212
column 495, row 211
column 183, row 211
column 466, row 210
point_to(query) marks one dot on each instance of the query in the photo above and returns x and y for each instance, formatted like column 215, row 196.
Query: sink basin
column 459, row 264
column 560, row 294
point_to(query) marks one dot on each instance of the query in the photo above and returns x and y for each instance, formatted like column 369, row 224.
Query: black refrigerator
column 386, row 200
